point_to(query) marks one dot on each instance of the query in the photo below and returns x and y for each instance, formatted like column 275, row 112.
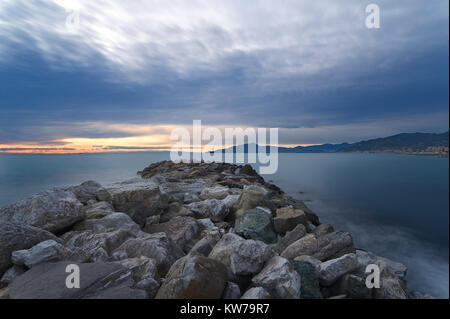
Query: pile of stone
column 185, row 230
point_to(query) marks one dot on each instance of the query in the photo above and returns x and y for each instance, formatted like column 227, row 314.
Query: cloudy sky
column 130, row 71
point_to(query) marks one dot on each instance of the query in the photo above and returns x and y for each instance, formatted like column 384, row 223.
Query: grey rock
column 353, row 286
column 311, row 260
column 158, row 246
column 111, row 221
column 307, row 245
column 216, row 192
column 16, row 237
column 256, row 293
column 323, row 229
column 230, row 200
column 391, row 286
column 138, row 199
column 48, row 250
column 90, row 246
column 144, row 274
column 256, row 188
column 231, row 291
column 52, row 210
column 207, row 224
column 86, row 192
column 214, row 209
column 205, row 245
column 182, row 230
column 174, row 210
column 98, row 281
column 11, row 274
column 98, row 210
column 291, row 236
column 331, row 270
column 194, row 277
column 334, row 245
column 279, row 278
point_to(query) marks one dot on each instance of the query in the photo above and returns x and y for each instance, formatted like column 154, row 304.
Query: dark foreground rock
column 183, row 230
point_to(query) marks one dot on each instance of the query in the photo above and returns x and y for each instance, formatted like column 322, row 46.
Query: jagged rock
column 98, row 281
column 279, row 278
column 334, row 245
column 331, row 270
column 256, row 293
column 206, row 224
column 138, row 199
column 90, row 246
column 86, row 192
column 250, row 199
column 184, row 192
column 256, row 224
column 214, row 209
column 291, row 236
column 287, row 219
column 306, row 245
column 216, row 192
column 144, row 274
column 111, row 221
column 230, row 200
column 16, row 237
column 310, row 288
column 48, row 250
column 98, row 210
column 103, row 195
column 244, row 257
column 11, row 274
column 205, row 245
column 323, row 229
column 174, row 210
column 158, row 246
column 194, row 277
column 326, row 247
column 181, row 230
column 231, row 291
column 53, row 210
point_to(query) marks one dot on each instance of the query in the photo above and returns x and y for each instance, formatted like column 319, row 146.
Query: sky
column 114, row 75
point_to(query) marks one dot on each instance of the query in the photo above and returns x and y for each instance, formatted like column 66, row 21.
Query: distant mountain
column 411, row 141
column 408, row 142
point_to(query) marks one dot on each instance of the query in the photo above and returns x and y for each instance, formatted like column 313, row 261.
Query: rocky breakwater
column 182, row 231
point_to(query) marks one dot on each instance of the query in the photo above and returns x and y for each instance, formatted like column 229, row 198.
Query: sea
column 394, row 205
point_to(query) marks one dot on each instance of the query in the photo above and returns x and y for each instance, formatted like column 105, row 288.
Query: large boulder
column 97, row 281
column 331, row 270
column 182, row 230
column 86, row 192
column 216, row 192
column 243, row 257
column 256, row 224
column 98, row 210
column 138, row 199
column 91, row 246
column 194, row 277
column 250, row 199
column 11, row 274
column 48, row 250
column 53, row 210
column 205, row 245
column 279, row 278
column 214, row 209
column 329, row 246
column 16, row 237
column 287, row 219
column 158, row 246
column 111, row 221
column 291, row 236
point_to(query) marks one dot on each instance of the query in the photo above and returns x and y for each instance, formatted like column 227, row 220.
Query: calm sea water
column 394, row 205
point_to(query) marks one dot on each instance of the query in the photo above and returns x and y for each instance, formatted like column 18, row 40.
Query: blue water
column 394, row 205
